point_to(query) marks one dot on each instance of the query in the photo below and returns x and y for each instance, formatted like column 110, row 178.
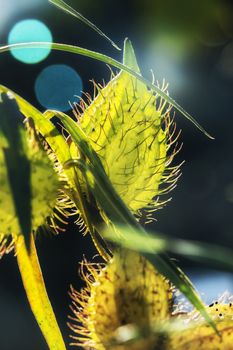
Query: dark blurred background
column 190, row 44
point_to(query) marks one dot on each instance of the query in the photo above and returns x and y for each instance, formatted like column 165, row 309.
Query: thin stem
column 33, row 282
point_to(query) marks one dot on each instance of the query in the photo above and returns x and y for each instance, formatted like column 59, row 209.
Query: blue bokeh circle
column 57, row 85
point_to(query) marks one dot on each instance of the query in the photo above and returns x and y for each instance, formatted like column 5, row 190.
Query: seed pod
column 128, row 290
column 130, row 129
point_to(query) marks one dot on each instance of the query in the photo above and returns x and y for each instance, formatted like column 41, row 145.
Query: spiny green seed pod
column 128, row 290
column 130, row 129
column 28, row 182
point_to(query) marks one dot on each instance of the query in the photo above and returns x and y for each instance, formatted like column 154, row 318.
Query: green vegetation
column 119, row 161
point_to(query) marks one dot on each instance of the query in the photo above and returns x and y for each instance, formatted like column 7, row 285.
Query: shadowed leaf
column 13, row 144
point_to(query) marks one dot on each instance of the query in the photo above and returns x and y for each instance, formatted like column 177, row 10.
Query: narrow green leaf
column 68, row 9
column 103, row 58
column 155, row 243
column 32, row 278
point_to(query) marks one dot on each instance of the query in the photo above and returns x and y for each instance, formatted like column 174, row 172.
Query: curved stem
column 33, row 282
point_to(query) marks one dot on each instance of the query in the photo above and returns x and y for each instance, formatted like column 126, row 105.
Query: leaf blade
column 33, row 282
column 106, row 59
column 156, row 242
column 68, row 9
column 17, row 163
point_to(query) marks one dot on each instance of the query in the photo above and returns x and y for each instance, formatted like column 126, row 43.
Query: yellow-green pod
column 127, row 291
column 130, row 129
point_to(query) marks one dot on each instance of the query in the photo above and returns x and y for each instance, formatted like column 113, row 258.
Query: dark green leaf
column 12, row 141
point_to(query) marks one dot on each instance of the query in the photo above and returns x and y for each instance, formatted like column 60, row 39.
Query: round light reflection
column 30, row 30
column 56, row 85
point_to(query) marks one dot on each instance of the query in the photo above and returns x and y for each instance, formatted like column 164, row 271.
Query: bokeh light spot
column 30, row 30
column 56, row 85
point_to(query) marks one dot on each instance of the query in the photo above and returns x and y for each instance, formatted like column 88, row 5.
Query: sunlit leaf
column 33, row 282
column 103, row 58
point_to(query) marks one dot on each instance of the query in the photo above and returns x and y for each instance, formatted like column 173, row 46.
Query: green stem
column 33, row 282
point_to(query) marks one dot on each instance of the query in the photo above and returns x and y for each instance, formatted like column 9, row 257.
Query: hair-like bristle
column 6, row 244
